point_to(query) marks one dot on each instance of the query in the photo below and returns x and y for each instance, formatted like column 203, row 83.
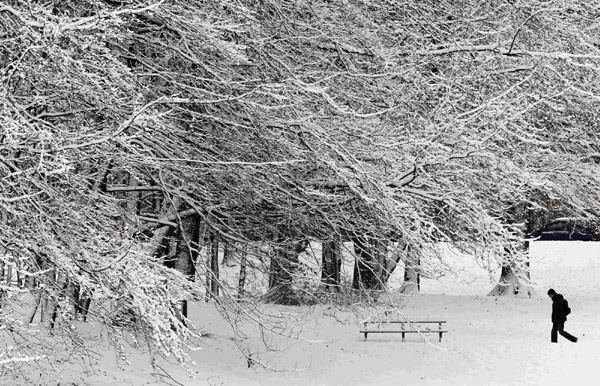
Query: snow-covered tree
column 133, row 131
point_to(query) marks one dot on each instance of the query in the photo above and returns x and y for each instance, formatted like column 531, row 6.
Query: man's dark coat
column 558, row 309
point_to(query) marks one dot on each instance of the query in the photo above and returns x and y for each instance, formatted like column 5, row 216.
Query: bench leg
column 365, row 337
column 440, row 336
column 403, row 337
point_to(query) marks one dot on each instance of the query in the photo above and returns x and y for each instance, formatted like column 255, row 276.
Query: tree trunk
column 242, row 279
column 513, row 279
column 86, row 307
column 283, row 266
column 9, row 275
column 512, row 282
column 187, row 252
column 38, row 302
column 528, row 229
column 2, row 292
column 412, row 274
column 391, row 262
column 515, row 275
column 163, row 234
column 20, row 279
column 331, row 265
column 227, row 254
column 77, row 298
column 56, row 304
column 370, row 263
column 213, row 274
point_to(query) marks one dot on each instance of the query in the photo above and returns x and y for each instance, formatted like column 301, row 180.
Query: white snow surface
column 490, row 340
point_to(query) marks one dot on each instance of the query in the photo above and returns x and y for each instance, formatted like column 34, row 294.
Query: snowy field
column 491, row 341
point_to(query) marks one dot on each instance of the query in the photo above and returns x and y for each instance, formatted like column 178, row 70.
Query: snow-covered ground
column 491, row 341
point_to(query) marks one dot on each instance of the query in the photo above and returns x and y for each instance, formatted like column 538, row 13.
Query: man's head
column 551, row 293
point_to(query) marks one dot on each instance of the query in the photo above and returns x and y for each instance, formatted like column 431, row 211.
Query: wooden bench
column 406, row 327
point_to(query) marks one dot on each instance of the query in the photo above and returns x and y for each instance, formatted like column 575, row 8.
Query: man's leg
column 561, row 331
column 553, row 334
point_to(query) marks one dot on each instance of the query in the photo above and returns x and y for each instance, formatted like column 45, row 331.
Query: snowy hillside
column 573, row 267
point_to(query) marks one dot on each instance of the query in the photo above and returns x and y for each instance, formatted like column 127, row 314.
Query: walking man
column 559, row 317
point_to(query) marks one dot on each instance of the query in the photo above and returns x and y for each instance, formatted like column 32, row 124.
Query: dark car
column 567, row 229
